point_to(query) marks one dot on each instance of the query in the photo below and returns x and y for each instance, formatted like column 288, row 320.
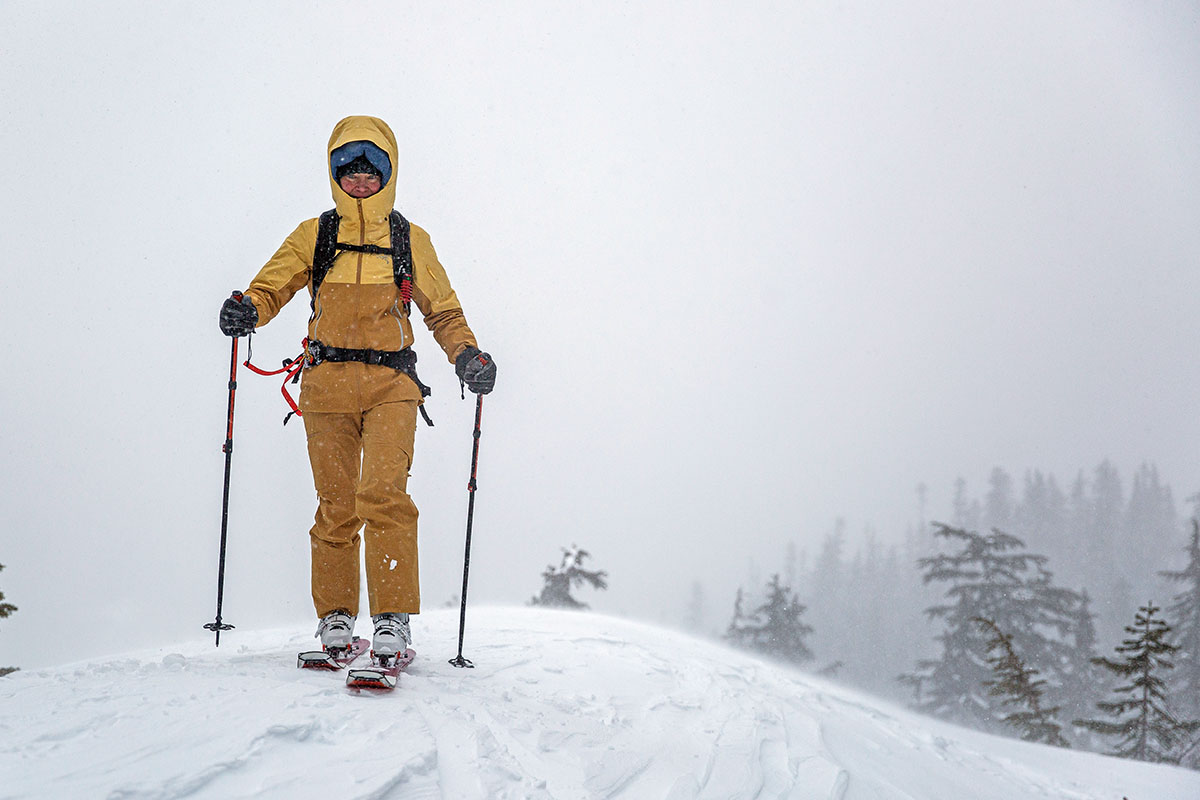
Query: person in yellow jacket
column 359, row 394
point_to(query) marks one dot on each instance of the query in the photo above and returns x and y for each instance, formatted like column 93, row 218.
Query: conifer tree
column 999, row 505
column 1040, row 518
column 1105, row 566
column 966, row 511
column 1185, row 612
column 990, row 577
column 556, row 591
column 1151, row 525
column 1084, row 679
column 782, row 634
column 1015, row 684
column 6, row 610
column 1077, row 529
column 790, row 575
column 1145, row 727
column 830, row 600
column 774, row 627
column 740, row 627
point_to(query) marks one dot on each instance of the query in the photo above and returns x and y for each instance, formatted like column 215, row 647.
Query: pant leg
column 335, row 454
column 387, row 511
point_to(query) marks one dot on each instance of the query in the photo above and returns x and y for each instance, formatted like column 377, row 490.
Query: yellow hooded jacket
column 358, row 305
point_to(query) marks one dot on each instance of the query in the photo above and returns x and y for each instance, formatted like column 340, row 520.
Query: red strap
column 289, row 370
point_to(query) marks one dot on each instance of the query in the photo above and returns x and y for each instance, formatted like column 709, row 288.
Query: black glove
column 477, row 370
column 238, row 317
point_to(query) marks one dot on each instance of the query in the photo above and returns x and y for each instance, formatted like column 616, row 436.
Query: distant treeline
column 1025, row 612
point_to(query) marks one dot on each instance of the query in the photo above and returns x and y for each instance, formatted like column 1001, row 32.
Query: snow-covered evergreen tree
column 966, row 511
column 740, row 626
column 790, row 573
column 830, row 598
column 1015, row 684
column 1151, row 527
column 559, row 580
column 1146, row 728
column 1184, row 613
column 774, row 627
column 1040, row 517
column 1105, row 571
column 782, row 633
column 1077, row 527
column 861, row 631
column 999, row 505
column 858, row 638
column 6, row 610
column 989, row 577
column 1085, row 679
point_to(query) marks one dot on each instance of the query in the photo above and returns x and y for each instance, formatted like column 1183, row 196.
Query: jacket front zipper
column 362, row 239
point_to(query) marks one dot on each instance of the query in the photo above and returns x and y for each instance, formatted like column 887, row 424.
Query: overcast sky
column 745, row 269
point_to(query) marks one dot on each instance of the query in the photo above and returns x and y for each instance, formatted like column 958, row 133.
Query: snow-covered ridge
column 667, row 716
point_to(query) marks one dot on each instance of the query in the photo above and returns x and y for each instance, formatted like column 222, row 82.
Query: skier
column 360, row 393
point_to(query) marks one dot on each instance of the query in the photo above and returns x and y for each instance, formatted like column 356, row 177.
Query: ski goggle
column 370, row 151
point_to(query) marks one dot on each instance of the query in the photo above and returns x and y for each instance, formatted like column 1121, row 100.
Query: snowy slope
column 561, row 705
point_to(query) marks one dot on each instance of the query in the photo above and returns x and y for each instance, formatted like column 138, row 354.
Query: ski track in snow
column 560, row 705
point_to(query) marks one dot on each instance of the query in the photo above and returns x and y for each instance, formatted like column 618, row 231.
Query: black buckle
column 373, row 356
column 313, row 354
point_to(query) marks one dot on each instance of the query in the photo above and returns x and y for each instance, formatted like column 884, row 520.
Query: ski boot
column 392, row 636
column 336, row 631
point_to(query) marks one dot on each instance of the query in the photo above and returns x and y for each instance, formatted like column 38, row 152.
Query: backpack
column 400, row 251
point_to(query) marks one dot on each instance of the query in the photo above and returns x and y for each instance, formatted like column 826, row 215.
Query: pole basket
column 217, row 627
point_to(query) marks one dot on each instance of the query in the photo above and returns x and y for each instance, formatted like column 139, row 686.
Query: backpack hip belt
column 404, row 361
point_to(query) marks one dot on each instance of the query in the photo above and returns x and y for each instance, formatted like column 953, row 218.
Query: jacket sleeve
column 285, row 274
column 436, row 299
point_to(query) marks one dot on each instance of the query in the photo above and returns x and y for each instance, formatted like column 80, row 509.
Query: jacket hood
column 364, row 129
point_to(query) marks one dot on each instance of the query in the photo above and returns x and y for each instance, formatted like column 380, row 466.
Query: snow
column 668, row 716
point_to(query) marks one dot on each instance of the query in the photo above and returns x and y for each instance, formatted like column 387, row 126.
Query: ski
column 382, row 675
column 334, row 658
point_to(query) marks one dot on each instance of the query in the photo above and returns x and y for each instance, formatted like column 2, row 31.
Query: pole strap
column 290, row 370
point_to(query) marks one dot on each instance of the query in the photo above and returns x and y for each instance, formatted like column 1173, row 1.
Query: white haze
column 744, row 270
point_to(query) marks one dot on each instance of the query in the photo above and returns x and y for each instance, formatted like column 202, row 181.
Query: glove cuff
column 460, row 362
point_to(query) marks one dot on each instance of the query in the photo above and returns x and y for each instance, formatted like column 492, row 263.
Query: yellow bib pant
column 360, row 463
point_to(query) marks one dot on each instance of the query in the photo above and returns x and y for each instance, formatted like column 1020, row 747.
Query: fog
column 744, row 271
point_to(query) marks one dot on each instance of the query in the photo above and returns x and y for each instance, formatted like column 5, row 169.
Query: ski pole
column 217, row 626
column 459, row 661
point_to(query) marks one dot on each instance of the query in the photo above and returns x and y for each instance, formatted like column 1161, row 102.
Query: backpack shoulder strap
column 401, row 252
column 325, row 251
column 402, row 262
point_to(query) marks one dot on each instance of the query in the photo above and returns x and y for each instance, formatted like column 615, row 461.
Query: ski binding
column 333, row 658
column 383, row 673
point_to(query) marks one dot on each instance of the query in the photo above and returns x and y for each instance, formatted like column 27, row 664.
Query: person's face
column 360, row 184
